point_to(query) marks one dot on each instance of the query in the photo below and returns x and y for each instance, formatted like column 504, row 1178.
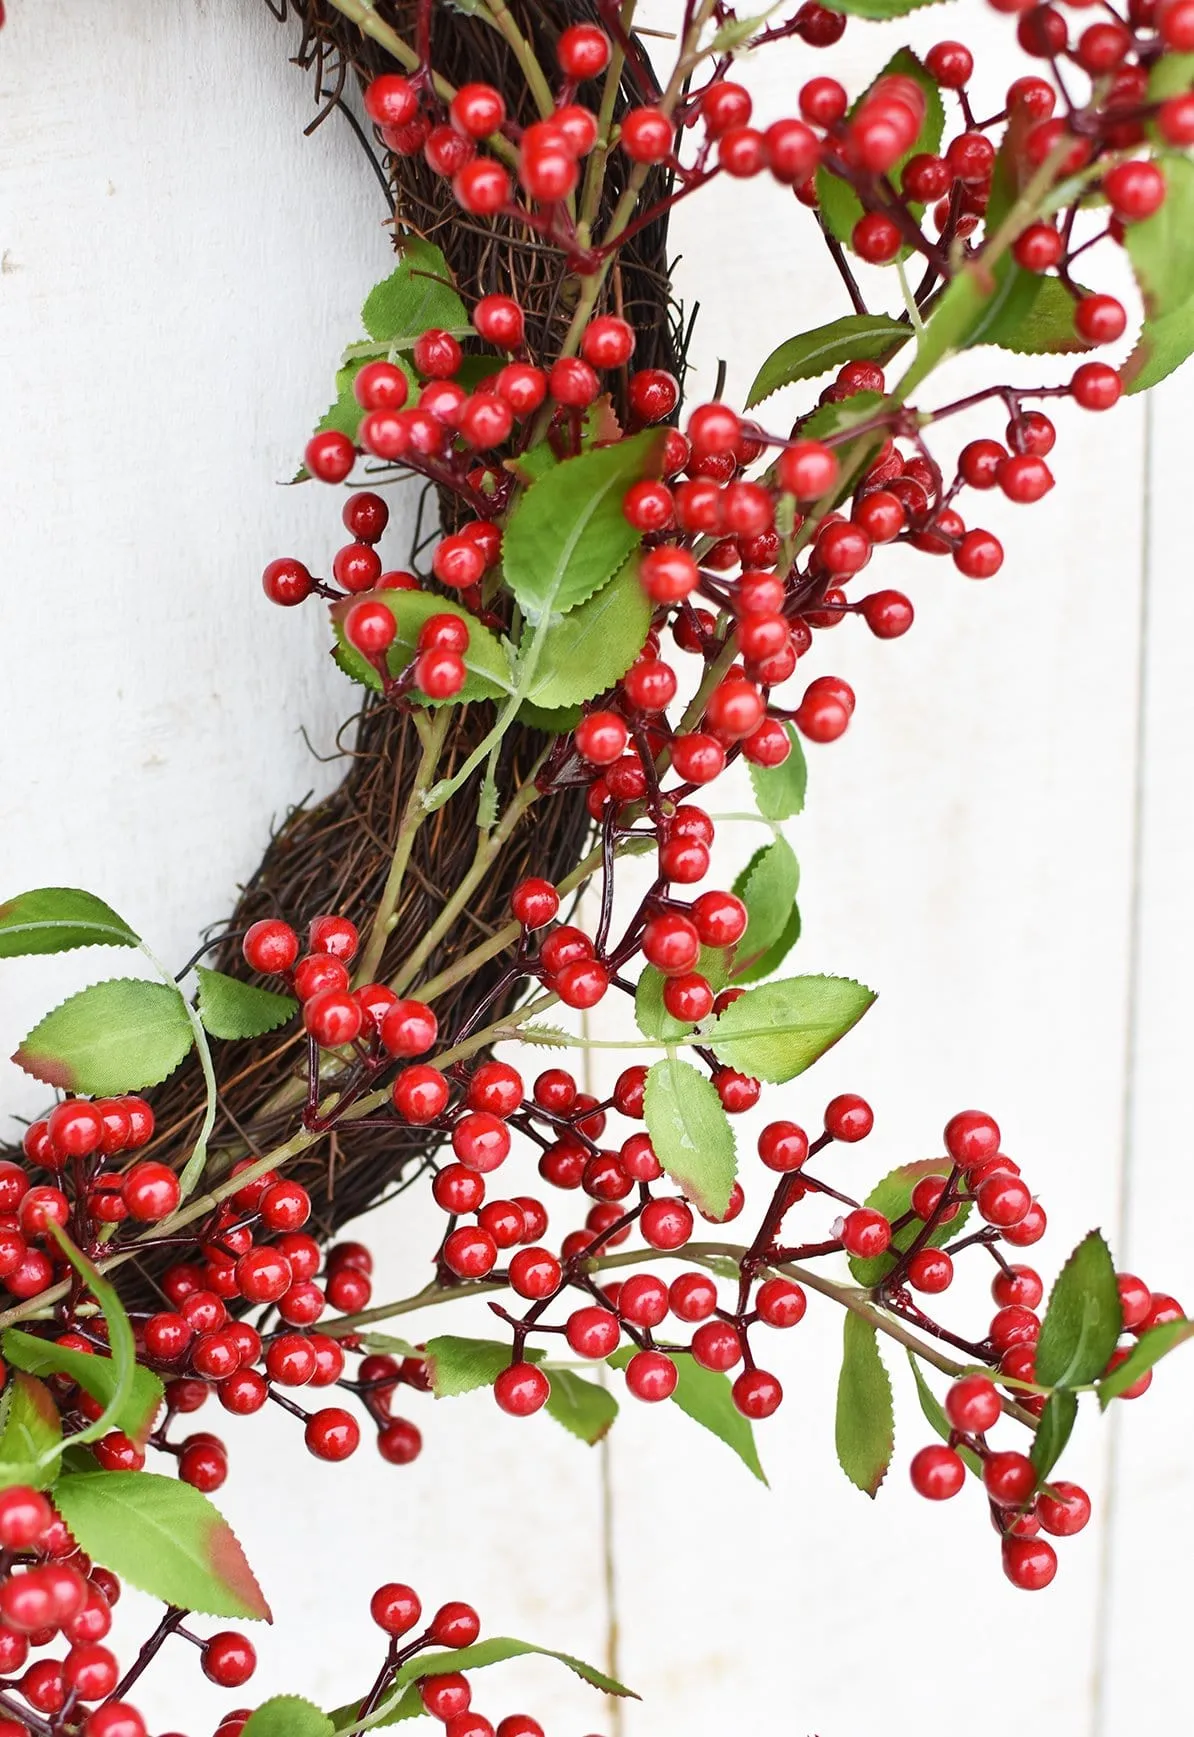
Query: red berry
column 332, row 1434
column 521, row 1389
column 330, row 456
column 865, row 1233
column 1010, row 1478
column 937, row 1472
column 972, row 1404
column 535, row 903
column 270, row 946
column 651, row 1376
column 1029, row 1563
column 646, row 135
column 849, row 1118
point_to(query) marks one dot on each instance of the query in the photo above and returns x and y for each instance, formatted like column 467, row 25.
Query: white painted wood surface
column 180, row 269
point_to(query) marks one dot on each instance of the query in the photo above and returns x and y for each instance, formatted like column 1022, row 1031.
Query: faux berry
column 521, row 1389
column 937, row 1472
column 332, row 1434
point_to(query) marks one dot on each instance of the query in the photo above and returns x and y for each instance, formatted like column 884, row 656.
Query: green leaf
column 935, row 1412
column 881, row 8
column 1053, row 1431
column 478, row 1657
column 864, row 1428
column 1152, row 1345
column 840, row 206
column 120, row 1341
column 778, row 1030
column 769, row 962
column 456, row 1366
column 567, row 535
column 232, row 1009
column 704, row 1396
column 1163, row 345
column 96, row 1374
column 485, row 660
column 779, row 790
column 654, row 1020
column 163, row 1537
column 114, row 1037
column 288, row 1716
column 1161, row 250
column 30, row 1435
column 691, row 1133
column 1033, row 321
column 858, row 337
column 590, row 648
column 552, row 720
column 1171, row 75
column 1084, row 1319
column 55, row 919
column 767, row 887
column 584, row 1408
column 418, row 294
column 893, row 1198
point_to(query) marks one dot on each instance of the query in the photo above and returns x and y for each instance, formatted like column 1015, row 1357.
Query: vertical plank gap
column 1104, row 1614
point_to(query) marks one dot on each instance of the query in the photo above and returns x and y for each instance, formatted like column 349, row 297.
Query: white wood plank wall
column 987, row 846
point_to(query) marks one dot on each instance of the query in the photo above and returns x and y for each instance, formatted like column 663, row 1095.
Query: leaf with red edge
column 163, row 1537
column 118, row 1036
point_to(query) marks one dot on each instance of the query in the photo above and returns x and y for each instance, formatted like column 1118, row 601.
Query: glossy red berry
column 937, row 1472
column 270, row 946
column 849, row 1118
column 332, row 1434
column 521, row 1389
column 1029, row 1563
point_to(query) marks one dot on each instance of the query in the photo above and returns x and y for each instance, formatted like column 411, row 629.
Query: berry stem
column 385, row 917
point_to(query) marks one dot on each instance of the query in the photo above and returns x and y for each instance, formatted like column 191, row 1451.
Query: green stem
column 362, row 14
column 489, row 848
column 590, row 202
column 385, row 917
column 706, row 1254
column 500, row 16
column 193, row 1168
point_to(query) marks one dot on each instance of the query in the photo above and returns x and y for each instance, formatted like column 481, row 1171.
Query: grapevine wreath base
column 621, row 589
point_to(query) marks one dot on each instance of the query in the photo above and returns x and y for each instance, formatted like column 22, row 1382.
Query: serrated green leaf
column 117, row 1036
column 691, row 1133
column 1163, row 345
column 288, row 1716
column 1053, row 1431
column 591, row 647
column 893, row 1198
column 96, row 1374
column 857, row 337
column 935, row 1413
column 1042, row 326
column 456, row 1365
column 30, row 1435
column 652, row 1017
column 1161, row 250
column 779, row 790
column 232, row 1009
column 864, row 1426
column 121, row 1344
column 704, row 1396
column 584, row 1408
column 568, row 536
column 1152, row 1345
column 547, row 1036
column 767, row 887
column 735, row 33
column 840, row 206
column 416, row 295
column 552, row 720
column 478, row 1657
column 55, row 919
column 163, row 1537
column 768, row 962
column 777, row 1030
column 485, row 660
column 1084, row 1319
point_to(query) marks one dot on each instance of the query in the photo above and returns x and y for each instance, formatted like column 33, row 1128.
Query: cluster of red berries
column 81, row 1141
column 1020, row 1505
column 52, row 1596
